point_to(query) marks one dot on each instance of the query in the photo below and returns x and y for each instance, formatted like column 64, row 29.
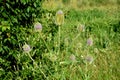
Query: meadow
column 73, row 40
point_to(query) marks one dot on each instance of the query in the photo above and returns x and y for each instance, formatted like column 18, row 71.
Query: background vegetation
column 94, row 20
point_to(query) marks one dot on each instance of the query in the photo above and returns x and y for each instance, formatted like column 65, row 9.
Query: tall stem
column 30, row 57
column 45, row 43
column 36, row 64
column 59, row 41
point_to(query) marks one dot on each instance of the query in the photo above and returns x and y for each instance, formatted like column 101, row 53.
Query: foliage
column 20, row 12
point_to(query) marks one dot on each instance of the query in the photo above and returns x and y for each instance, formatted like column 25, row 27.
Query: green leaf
column 3, row 29
column 4, row 22
column 28, row 9
column 23, row 1
column 34, row 4
column 8, row 28
column 15, row 20
column 4, row 14
column 1, row 9
column 7, row 5
column 33, row 15
column 16, row 0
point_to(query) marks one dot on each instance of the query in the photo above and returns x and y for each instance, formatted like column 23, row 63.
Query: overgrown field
column 82, row 45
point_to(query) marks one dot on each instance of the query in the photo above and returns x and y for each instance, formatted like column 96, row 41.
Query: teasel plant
column 59, row 20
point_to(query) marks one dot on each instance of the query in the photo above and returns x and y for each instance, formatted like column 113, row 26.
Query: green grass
column 102, row 24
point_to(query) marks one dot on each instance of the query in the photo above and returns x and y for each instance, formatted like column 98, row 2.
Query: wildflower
column 59, row 17
column 89, row 59
column 81, row 28
column 90, row 42
column 72, row 57
column 26, row 48
column 38, row 27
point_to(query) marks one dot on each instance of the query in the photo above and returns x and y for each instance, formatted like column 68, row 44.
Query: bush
column 16, row 17
column 20, row 12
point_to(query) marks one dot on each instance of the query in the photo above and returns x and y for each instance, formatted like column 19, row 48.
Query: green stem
column 45, row 44
column 30, row 57
column 42, row 73
column 59, row 41
column 36, row 65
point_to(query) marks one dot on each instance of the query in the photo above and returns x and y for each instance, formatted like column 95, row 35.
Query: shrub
column 20, row 12
column 16, row 18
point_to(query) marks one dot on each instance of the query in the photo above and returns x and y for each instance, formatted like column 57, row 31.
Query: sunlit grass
column 80, row 4
column 99, row 20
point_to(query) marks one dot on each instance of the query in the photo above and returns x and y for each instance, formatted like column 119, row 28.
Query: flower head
column 89, row 59
column 72, row 57
column 38, row 26
column 52, row 57
column 59, row 17
column 90, row 42
column 81, row 27
column 26, row 48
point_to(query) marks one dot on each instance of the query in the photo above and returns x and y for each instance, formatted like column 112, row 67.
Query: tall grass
column 100, row 18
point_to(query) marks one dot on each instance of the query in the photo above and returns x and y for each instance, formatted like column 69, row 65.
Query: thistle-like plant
column 90, row 42
column 27, row 49
column 38, row 27
column 59, row 17
column 59, row 21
